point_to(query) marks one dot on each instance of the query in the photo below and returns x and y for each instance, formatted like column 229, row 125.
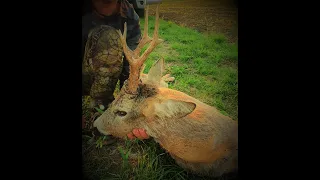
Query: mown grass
column 205, row 67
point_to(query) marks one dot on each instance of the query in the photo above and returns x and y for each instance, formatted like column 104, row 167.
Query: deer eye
column 121, row 113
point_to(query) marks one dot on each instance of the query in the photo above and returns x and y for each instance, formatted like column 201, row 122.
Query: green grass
column 205, row 67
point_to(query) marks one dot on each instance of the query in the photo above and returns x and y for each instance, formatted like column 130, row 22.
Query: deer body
column 196, row 135
column 204, row 138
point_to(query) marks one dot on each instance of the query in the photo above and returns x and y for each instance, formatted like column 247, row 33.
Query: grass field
column 205, row 67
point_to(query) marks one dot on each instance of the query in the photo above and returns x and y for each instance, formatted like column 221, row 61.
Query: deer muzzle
column 100, row 126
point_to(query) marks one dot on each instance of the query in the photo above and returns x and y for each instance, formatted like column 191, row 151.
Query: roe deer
column 196, row 135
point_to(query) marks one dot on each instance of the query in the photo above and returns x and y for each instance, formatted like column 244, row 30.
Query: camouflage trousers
column 102, row 65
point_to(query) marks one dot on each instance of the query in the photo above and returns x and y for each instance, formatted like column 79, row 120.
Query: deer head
column 195, row 134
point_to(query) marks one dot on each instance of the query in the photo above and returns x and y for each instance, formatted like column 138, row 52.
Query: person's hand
column 138, row 133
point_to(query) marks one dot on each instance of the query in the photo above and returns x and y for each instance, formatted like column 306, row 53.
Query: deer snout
column 100, row 126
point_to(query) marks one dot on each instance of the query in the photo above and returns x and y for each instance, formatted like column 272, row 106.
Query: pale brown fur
column 204, row 138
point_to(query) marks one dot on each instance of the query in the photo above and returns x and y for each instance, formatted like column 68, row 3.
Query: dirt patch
column 219, row 16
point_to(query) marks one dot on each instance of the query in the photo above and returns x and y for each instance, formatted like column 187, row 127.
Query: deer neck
column 134, row 78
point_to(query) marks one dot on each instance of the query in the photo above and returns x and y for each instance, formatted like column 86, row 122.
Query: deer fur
column 196, row 135
column 155, row 73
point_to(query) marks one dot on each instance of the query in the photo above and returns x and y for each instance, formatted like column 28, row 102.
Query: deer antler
column 136, row 61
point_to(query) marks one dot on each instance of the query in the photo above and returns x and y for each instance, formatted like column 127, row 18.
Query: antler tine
column 145, row 38
column 127, row 51
column 154, row 42
column 136, row 61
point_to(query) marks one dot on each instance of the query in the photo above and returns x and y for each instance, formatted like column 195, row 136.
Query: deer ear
column 155, row 72
column 173, row 109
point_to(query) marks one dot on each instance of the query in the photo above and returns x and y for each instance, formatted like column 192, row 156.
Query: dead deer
column 196, row 135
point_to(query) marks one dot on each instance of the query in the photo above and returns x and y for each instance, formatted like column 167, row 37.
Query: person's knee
column 106, row 49
column 104, row 58
column 106, row 36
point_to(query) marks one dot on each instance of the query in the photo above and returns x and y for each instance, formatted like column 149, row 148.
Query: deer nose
column 98, row 124
column 95, row 124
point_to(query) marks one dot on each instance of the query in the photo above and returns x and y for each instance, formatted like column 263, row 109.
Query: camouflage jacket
column 127, row 14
